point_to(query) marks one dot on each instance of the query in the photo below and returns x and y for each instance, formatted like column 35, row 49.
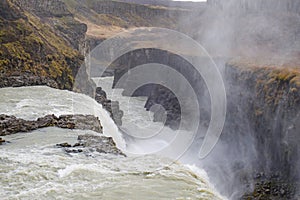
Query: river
column 32, row 167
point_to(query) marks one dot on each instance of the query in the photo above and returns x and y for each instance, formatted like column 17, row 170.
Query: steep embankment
column 36, row 44
column 107, row 18
column 269, row 112
column 259, row 142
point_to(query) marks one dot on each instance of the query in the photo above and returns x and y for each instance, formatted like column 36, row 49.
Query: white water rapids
column 31, row 167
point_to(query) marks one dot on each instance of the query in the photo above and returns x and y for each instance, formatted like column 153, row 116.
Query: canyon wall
column 270, row 99
column 44, row 8
column 263, row 110
column 261, row 132
column 32, row 47
column 157, row 93
column 56, row 14
column 144, row 15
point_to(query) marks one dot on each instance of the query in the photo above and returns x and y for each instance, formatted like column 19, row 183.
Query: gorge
column 254, row 44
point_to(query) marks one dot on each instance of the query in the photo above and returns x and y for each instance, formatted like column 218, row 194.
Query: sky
column 191, row 0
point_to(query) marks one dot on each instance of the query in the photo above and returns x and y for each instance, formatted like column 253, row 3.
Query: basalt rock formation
column 268, row 114
column 11, row 124
column 88, row 144
column 158, row 94
column 111, row 106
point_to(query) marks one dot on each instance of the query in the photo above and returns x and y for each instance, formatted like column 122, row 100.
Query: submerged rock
column 64, row 145
column 83, row 122
column 1, row 141
column 101, row 144
column 93, row 143
column 11, row 124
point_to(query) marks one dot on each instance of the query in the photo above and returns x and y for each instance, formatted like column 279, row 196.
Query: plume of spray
column 262, row 31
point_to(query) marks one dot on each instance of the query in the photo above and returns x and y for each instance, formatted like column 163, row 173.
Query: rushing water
column 31, row 167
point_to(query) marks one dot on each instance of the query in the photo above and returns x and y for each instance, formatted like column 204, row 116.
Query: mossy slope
column 28, row 44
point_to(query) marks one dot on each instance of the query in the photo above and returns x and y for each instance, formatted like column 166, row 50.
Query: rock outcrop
column 53, row 8
column 88, row 144
column 111, row 106
column 26, row 79
column 56, row 14
column 11, row 124
column 30, row 42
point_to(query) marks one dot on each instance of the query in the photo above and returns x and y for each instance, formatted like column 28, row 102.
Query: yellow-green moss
column 273, row 83
column 33, row 46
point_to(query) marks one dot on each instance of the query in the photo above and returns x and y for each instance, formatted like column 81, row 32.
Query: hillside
column 106, row 18
column 169, row 3
column 31, row 45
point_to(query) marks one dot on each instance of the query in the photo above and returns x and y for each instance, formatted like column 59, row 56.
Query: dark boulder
column 2, row 141
column 111, row 106
column 92, row 143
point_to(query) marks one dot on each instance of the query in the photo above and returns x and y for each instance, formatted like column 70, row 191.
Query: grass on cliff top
column 275, row 82
column 277, row 69
column 103, row 25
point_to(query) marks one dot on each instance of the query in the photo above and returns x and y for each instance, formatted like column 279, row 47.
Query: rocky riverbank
column 86, row 143
column 11, row 124
column 26, row 79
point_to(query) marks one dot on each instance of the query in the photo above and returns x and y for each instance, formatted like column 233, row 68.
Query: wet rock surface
column 272, row 187
column 2, row 141
column 92, row 143
column 11, row 124
column 158, row 93
column 111, row 106
column 163, row 96
column 26, row 79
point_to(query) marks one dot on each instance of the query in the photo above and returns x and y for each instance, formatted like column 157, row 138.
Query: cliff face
column 9, row 12
column 271, row 105
column 261, row 133
column 31, row 44
column 56, row 14
column 159, row 94
column 107, row 18
column 263, row 109
column 54, row 8
column 144, row 15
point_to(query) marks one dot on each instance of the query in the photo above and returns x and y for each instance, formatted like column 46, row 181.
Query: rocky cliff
column 31, row 44
column 158, row 94
column 57, row 15
column 261, row 134
column 267, row 115
column 107, row 18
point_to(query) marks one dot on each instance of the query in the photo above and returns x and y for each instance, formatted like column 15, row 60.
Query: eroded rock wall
column 270, row 99
column 159, row 93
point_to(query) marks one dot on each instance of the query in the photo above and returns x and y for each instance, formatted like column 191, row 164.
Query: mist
column 248, row 34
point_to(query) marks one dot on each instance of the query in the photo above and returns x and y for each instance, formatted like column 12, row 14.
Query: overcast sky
column 191, row 0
